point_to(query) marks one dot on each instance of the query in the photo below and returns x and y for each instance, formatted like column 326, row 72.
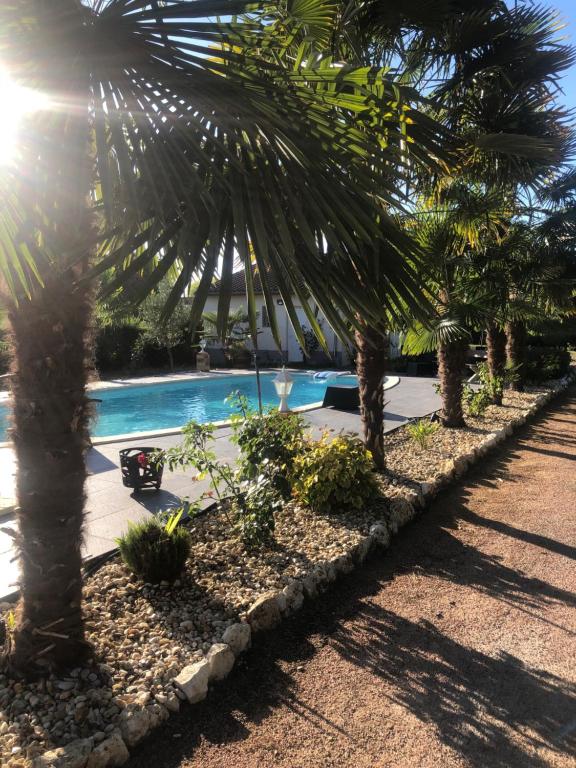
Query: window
column 265, row 318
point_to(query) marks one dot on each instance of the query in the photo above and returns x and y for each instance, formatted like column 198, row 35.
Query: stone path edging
column 142, row 716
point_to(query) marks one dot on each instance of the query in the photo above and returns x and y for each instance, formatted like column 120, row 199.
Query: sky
column 567, row 9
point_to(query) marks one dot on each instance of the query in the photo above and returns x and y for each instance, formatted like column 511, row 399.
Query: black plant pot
column 138, row 471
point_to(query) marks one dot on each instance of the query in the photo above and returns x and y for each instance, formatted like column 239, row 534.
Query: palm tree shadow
column 445, row 556
column 477, row 703
column 491, row 710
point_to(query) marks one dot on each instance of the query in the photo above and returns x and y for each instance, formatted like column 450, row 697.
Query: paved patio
column 110, row 506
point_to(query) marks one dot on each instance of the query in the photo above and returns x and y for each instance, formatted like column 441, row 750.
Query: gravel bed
column 144, row 635
column 407, row 461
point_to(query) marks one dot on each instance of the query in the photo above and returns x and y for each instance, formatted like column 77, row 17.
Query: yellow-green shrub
column 331, row 475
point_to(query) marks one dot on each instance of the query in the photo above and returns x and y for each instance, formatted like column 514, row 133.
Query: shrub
column 273, row 438
column 115, row 345
column 249, row 505
column 156, row 550
column 5, row 352
column 476, row 400
column 490, row 391
column 255, row 507
column 546, row 363
column 422, row 430
column 332, row 475
column 494, row 385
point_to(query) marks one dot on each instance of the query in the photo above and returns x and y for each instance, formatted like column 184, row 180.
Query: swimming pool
column 169, row 405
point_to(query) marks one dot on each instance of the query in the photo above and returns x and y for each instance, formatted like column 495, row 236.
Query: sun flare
column 16, row 102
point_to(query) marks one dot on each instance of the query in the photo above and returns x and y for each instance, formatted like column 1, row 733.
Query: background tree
column 486, row 70
column 165, row 332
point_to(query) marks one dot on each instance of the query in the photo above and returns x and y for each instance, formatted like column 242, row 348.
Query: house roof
column 239, row 284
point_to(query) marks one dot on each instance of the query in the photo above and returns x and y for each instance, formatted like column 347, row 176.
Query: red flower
column 142, row 459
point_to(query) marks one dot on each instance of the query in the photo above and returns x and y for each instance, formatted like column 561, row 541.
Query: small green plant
column 495, row 385
column 490, row 391
column 194, row 452
column 475, row 400
column 332, row 475
column 157, row 549
column 422, row 430
column 272, row 438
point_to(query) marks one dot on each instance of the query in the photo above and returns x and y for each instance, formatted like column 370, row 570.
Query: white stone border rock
column 142, row 716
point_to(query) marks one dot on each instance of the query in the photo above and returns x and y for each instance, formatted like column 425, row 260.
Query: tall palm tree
column 524, row 277
column 455, row 51
column 371, row 355
column 344, row 277
column 155, row 114
column 450, row 227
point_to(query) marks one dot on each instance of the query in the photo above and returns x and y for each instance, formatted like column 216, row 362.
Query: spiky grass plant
column 156, row 550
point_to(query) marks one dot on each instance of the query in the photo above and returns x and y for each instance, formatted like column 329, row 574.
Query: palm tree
column 497, row 271
column 343, row 276
column 371, row 356
column 450, row 227
column 421, row 42
column 234, row 332
column 152, row 116
column 541, row 281
column 472, row 48
column 523, row 277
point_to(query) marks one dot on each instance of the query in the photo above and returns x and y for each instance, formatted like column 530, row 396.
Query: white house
column 290, row 352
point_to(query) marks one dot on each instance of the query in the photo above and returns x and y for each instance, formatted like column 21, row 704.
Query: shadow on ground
column 493, row 710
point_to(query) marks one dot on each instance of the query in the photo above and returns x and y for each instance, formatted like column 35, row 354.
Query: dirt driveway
column 455, row 648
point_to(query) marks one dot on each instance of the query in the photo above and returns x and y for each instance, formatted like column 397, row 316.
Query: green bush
column 490, row 391
column 546, row 363
column 332, row 475
column 273, row 438
column 422, row 430
column 156, row 550
column 476, row 400
column 115, row 345
column 5, row 352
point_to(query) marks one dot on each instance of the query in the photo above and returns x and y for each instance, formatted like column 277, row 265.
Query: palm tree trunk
column 451, row 361
column 170, row 358
column 372, row 353
column 496, row 355
column 51, row 414
column 50, row 326
column 516, row 351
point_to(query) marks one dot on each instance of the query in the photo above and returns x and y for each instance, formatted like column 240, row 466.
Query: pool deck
column 110, row 506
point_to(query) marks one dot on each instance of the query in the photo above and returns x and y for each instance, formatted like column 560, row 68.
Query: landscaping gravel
column 406, row 460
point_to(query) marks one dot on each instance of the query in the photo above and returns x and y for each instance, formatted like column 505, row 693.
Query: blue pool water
column 152, row 407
